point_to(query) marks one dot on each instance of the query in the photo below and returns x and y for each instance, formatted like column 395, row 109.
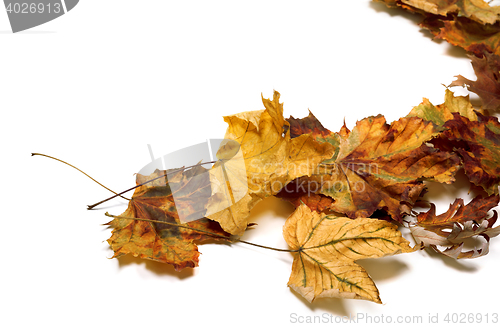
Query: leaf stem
column 266, row 247
column 132, row 188
column 229, row 238
column 64, row 162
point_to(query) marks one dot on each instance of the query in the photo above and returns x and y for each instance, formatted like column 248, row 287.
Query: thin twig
column 132, row 188
column 229, row 238
column 64, row 162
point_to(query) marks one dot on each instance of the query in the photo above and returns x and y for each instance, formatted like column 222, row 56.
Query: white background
column 97, row 85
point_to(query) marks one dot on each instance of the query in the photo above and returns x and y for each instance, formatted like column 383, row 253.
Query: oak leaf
column 272, row 159
column 377, row 166
column 452, row 228
column 327, row 247
column 487, row 85
column 155, row 201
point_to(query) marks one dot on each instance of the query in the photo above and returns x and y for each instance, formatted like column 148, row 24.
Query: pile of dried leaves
column 352, row 189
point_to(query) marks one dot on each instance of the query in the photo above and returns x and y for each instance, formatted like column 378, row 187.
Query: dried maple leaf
column 327, row 247
column 440, row 114
column 470, row 24
column 272, row 159
column 302, row 191
column 463, row 221
column 474, row 137
column 487, row 85
column 155, row 201
column 468, row 34
column 477, row 10
column 478, row 144
column 376, row 165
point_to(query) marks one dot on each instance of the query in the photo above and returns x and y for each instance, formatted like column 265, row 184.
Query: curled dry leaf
column 327, row 247
column 376, row 166
column 271, row 160
column 155, row 201
column 456, row 225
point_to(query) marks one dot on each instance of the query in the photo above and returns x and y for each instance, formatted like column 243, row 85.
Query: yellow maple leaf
column 327, row 247
column 271, row 160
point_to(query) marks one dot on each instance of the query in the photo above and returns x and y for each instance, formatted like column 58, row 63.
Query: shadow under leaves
column 335, row 306
column 453, row 51
column 158, row 268
column 271, row 206
column 459, row 265
column 383, row 268
column 439, row 191
column 382, row 8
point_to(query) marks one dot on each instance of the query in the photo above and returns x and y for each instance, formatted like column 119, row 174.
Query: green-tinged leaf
column 440, row 114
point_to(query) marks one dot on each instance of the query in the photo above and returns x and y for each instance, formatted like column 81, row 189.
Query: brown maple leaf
column 468, row 133
column 473, row 25
column 301, row 191
column 456, row 225
column 487, row 85
column 152, row 203
column 478, row 144
column 326, row 248
column 271, row 160
column 376, row 165
column 466, row 33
